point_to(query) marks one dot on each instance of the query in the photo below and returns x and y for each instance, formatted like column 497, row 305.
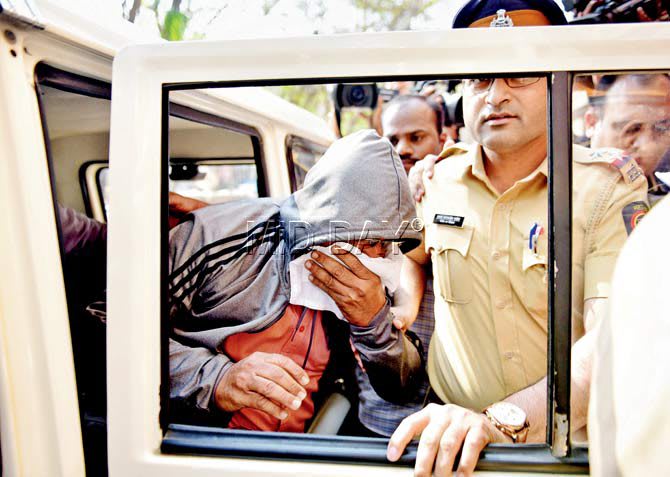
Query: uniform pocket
column 535, row 279
column 450, row 265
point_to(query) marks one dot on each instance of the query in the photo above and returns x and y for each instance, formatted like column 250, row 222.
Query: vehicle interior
column 212, row 158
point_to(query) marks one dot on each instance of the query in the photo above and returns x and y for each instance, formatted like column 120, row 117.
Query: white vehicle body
column 38, row 393
column 39, row 421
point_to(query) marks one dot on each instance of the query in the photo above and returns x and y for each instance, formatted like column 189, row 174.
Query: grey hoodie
column 228, row 265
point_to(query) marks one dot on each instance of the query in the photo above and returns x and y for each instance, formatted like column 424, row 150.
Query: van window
column 209, row 162
column 301, row 154
column 213, row 181
column 625, row 120
column 523, row 362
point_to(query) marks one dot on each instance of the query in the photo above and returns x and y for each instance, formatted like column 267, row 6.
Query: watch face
column 508, row 414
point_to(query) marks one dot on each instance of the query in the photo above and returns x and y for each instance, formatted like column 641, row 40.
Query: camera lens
column 357, row 96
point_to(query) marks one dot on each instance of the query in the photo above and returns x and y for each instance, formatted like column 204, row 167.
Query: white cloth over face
column 305, row 293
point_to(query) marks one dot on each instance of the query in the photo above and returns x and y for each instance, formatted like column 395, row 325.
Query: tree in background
column 175, row 19
column 391, row 15
column 171, row 26
column 378, row 15
column 130, row 10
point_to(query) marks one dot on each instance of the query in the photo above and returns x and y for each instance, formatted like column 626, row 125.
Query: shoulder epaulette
column 616, row 158
column 454, row 150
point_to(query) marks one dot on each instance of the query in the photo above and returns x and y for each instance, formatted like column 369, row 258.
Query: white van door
column 142, row 440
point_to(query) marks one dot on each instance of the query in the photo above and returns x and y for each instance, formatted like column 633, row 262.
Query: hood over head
column 357, row 190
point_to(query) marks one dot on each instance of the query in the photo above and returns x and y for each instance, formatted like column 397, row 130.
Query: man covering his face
column 244, row 340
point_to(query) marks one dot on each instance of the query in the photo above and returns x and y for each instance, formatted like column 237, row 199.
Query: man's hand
column 358, row 292
column 269, row 382
column 179, row 206
column 416, row 175
column 445, row 430
column 422, row 170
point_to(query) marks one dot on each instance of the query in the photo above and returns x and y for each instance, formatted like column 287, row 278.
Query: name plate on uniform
column 450, row 220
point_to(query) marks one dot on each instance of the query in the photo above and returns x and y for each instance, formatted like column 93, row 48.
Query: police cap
column 503, row 13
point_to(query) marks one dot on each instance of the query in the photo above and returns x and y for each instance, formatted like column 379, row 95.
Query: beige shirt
column 490, row 284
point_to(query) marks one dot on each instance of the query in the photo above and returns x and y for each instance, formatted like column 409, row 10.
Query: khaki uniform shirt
column 490, row 283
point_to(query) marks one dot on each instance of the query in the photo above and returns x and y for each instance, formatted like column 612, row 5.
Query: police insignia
column 633, row 213
column 628, row 168
column 501, row 20
column 626, row 165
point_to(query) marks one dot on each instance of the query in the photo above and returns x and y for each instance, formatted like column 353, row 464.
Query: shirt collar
column 479, row 171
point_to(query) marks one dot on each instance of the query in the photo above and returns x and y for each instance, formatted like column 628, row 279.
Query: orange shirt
column 299, row 336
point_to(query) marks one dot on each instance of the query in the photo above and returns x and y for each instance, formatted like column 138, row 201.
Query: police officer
column 486, row 218
column 633, row 114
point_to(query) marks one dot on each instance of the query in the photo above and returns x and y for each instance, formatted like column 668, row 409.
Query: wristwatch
column 509, row 419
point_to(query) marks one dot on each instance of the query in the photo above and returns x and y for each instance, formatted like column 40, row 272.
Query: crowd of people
column 448, row 339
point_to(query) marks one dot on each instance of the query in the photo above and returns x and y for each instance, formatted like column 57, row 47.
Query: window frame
column 293, row 140
column 91, row 185
column 548, row 52
column 54, row 77
column 555, row 455
column 89, row 181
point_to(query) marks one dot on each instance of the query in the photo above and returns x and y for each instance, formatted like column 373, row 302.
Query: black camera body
column 616, row 12
column 452, row 107
column 356, row 96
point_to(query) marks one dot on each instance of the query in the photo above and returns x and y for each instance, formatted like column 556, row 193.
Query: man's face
column 411, row 128
column 636, row 118
column 505, row 119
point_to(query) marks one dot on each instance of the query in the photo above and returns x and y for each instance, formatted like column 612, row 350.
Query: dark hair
column 406, row 98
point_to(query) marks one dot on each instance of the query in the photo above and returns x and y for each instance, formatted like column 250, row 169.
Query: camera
column 612, row 11
column 356, row 96
column 452, row 107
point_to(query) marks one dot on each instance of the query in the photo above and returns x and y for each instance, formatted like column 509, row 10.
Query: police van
column 106, row 123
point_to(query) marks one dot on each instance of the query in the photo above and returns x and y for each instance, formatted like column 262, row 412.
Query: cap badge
column 502, row 20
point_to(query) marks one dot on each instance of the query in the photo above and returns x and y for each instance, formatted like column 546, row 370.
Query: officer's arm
column 407, row 297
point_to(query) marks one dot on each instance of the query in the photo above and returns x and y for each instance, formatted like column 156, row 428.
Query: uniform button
column 509, row 355
column 501, row 303
column 502, row 207
column 302, row 328
column 496, row 255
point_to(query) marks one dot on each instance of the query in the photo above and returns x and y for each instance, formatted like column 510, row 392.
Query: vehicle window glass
column 302, row 155
column 213, row 182
column 208, row 163
column 488, row 236
column 624, row 120
column 103, row 187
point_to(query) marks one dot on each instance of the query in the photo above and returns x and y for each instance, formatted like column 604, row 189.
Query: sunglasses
column 482, row 85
